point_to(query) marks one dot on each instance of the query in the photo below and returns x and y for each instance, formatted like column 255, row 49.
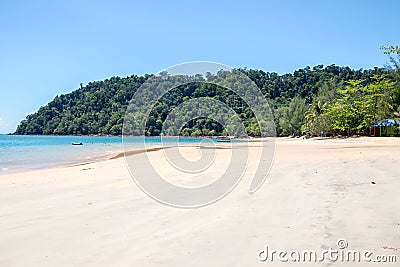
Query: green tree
column 359, row 106
column 394, row 64
column 292, row 117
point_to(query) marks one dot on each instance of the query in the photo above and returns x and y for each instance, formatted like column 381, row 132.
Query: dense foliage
column 330, row 99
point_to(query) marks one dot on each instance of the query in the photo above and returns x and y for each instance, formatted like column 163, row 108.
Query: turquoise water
column 21, row 153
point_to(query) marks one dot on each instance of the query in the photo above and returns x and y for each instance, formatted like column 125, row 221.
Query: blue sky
column 50, row 47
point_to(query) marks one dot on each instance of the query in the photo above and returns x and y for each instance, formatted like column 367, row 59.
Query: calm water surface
column 21, row 152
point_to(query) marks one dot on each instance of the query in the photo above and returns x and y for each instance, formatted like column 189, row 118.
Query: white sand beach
column 318, row 191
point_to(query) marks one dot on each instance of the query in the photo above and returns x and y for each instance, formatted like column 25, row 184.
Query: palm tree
column 312, row 114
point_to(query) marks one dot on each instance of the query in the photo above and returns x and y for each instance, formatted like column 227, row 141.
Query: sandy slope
column 318, row 191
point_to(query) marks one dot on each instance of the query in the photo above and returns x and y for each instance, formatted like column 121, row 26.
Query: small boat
column 77, row 144
column 224, row 139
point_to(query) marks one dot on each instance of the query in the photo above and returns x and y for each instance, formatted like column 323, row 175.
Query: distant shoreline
column 35, row 152
column 121, row 153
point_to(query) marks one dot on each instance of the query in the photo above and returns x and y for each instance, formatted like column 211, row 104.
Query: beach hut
column 388, row 127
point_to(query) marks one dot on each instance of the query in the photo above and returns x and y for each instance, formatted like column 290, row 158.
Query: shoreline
column 100, row 158
column 96, row 157
column 122, row 153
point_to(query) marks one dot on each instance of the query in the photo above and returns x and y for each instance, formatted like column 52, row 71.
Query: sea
column 20, row 153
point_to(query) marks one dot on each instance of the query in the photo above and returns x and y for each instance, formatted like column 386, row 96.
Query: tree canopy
column 330, row 99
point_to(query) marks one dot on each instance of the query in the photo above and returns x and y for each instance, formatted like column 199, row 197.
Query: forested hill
column 99, row 107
